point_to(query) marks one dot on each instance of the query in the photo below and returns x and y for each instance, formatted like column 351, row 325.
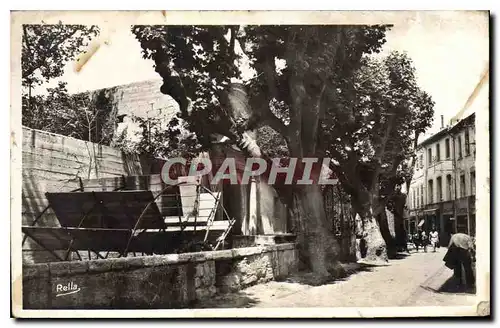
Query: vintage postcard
column 250, row 164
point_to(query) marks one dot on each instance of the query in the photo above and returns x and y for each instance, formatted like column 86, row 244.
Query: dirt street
column 420, row 279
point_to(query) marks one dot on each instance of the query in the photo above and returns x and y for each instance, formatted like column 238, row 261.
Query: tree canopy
column 196, row 64
column 157, row 137
column 86, row 116
column 371, row 128
column 371, row 131
column 47, row 47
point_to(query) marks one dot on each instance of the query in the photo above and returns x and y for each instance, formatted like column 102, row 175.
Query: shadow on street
column 451, row 286
column 349, row 270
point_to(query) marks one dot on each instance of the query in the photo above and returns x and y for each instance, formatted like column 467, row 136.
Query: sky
column 450, row 52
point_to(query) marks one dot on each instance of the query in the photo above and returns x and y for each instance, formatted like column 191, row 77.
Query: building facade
column 443, row 188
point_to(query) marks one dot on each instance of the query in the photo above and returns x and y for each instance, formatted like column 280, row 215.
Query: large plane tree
column 370, row 130
column 197, row 64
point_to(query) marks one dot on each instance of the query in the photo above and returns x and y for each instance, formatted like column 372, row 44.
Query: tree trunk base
column 372, row 245
column 318, row 248
column 376, row 249
column 392, row 252
column 313, row 278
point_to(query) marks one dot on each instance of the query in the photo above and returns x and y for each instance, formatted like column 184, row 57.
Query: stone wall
column 168, row 281
column 142, row 99
column 53, row 163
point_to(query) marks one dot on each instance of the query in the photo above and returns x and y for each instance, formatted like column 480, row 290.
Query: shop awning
column 431, row 210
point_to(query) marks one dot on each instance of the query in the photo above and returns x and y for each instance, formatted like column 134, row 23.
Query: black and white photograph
column 250, row 164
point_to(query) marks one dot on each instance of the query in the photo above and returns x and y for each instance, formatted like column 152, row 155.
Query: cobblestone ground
column 420, row 279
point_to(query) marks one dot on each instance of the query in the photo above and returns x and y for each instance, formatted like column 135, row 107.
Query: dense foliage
column 45, row 51
column 47, row 48
column 157, row 137
column 87, row 116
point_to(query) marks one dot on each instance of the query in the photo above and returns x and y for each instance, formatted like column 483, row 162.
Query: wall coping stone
column 131, row 263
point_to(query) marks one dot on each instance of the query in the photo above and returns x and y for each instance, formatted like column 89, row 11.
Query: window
column 439, row 189
column 447, row 148
column 449, row 187
column 459, row 146
column 431, row 192
column 438, row 152
column 462, row 185
column 473, row 183
column 467, row 143
column 421, row 195
column 429, row 156
column 421, row 161
column 414, row 199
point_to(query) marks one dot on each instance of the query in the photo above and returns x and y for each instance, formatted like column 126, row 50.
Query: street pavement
column 418, row 279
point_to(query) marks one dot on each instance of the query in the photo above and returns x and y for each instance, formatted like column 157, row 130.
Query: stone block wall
column 167, row 281
column 53, row 163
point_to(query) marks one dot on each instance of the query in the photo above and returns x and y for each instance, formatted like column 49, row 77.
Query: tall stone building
column 443, row 189
column 442, row 192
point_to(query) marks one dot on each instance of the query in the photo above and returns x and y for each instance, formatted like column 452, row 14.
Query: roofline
column 433, row 137
column 119, row 86
column 446, row 131
column 462, row 122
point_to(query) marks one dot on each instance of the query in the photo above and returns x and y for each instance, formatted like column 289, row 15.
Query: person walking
column 416, row 240
column 460, row 255
column 434, row 238
column 409, row 241
column 424, row 240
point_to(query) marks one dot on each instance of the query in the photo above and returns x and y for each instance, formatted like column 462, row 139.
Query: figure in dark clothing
column 424, row 240
column 416, row 240
column 420, row 240
column 460, row 255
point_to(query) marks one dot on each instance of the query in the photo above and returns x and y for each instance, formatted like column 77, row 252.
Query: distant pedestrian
column 460, row 255
column 434, row 238
column 424, row 240
column 416, row 240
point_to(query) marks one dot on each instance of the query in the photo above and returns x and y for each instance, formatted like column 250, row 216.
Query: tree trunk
column 318, row 249
column 358, row 235
column 399, row 227
column 374, row 244
column 386, row 234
